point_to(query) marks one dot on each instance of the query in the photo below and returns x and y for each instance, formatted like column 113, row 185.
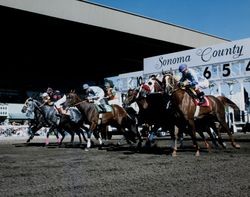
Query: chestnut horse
column 185, row 105
column 118, row 118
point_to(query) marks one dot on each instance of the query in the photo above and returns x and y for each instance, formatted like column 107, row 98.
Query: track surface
column 35, row 170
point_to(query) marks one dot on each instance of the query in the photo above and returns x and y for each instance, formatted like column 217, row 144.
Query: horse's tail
column 227, row 102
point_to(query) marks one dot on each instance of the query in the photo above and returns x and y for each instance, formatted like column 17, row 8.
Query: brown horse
column 155, row 111
column 185, row 105
column 118, row 118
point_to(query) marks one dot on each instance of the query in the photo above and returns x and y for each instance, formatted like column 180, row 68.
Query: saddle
column 103, row 108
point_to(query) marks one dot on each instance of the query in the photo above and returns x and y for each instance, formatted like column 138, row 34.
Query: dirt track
column 35, row 170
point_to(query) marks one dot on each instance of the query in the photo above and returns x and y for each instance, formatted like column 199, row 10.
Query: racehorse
column 154, row 110
column 118, row 118
column 46, row 116
column 187, row 108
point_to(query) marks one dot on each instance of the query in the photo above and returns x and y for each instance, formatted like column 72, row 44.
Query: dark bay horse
column 154, row 110
column 118, row 118
column 46, row 116
column 185, row 105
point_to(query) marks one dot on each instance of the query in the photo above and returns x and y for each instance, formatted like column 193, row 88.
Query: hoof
column 236, row 145
column 88, row 144
column 174, row 154
column 59, row 141
column 46, row 142
column 197, row 154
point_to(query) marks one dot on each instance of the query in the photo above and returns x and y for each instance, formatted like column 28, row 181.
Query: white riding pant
column 59, row 102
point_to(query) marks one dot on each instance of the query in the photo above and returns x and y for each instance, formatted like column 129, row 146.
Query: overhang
column 63, row 43
column 100, row 16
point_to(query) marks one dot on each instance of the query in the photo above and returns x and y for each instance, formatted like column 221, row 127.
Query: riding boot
column 103, row 108
column 200, row 95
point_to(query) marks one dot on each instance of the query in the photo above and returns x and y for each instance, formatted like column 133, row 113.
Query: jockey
column 189, row 78
column 110, row 94
column 94, row 94
column 51, row 97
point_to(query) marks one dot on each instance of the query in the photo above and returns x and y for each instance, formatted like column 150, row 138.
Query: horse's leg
column 89, row 133
column 180, row 137
column 139, row 136
column 47, row 136
column 193, row 136
column 97, row 135
column 124, row 135
column 225, row 127
column 78, row 132
column 217, row 130
column 56, row 132
column 174, row 136
column 212, row 136
column 30, row 138
column 149, row 137
column 207, row 145
column 82, row 130
column 72, row 137
column 57, row 136
column 95, row 130
column 62, row 133
column 32, row 131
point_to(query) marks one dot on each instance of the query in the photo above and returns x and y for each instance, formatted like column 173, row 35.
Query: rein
column 79, row 103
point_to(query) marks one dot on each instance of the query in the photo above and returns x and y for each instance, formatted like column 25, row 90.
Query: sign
column 226, row 52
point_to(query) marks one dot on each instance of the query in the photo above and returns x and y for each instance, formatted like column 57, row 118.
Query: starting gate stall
column 226, row 66
column 130, row 80
column 126, row 81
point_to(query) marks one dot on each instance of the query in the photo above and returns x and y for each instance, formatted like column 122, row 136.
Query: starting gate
column 226, row 66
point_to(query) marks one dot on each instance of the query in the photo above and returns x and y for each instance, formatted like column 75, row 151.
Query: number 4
column 248, row 66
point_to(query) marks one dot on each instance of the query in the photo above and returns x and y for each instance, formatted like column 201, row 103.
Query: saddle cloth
column 205, row 104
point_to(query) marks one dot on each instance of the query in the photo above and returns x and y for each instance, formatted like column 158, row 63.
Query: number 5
column 226, row 70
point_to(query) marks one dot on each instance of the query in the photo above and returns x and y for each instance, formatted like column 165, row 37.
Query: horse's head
column 154, row 84
column 137, row 95
column 130, row 97
column 72, row 99
column 169, row 83
column 28, row 107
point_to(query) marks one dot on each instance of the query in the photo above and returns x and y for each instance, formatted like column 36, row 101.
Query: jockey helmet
column 49, row 90
column 85, row 86
column 45, row 94
column 182, row 67
column 107, row 85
